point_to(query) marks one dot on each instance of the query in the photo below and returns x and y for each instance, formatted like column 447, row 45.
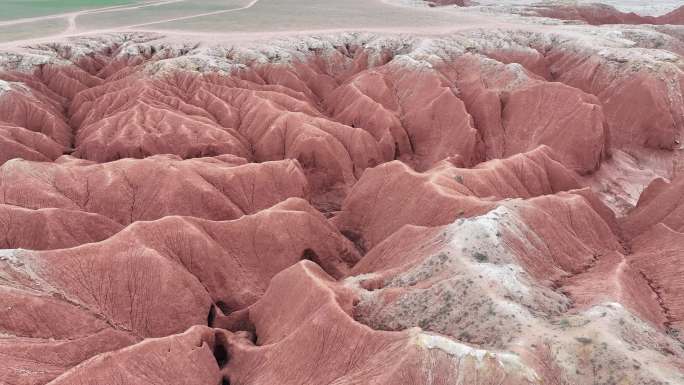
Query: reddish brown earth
column 437, row 3
column 597, row 14
column 590, row 13
column 344, row 210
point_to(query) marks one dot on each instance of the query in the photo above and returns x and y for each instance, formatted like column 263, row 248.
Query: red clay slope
column 354, row 216
column 150, row 280
column 598, row 14
column 593, row 13
column 217, row 188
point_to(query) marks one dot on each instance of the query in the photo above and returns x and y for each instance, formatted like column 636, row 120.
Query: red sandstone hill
column 674, row 17
column 598, row 14
column 434, row 211
column 445, row 193
column 186, row 268
column 213, row 188
column 592, row 13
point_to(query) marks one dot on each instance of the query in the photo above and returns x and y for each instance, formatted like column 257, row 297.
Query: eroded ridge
column 594, row 13
column 344, row 209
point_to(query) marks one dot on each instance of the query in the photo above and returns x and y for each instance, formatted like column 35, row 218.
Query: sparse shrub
column 583, row 340
column 480, row 257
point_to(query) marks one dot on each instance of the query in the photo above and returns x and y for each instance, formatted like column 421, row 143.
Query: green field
column 19, row 9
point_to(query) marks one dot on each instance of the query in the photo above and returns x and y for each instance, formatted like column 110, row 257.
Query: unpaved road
column 73, row 28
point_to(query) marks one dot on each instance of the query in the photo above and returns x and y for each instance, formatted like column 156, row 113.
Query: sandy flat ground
column 237, row 17
column 110, row 18
column 48, row 27
column 295, row 15
column 220, row 20
column 177, row 10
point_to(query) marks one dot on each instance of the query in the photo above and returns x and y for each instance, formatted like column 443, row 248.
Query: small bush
column 583, row 340
column 480, row 257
